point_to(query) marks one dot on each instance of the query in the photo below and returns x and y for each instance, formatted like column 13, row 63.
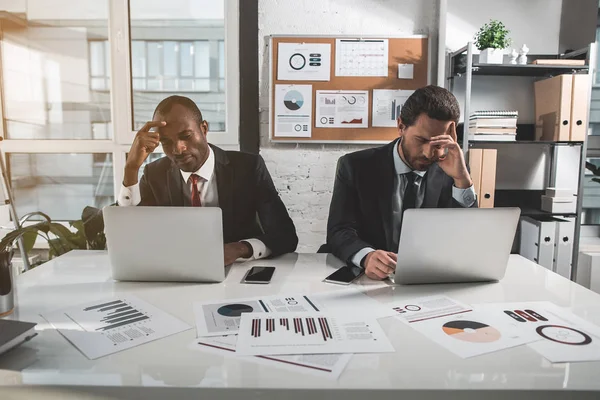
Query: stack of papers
column 310, row 333
column 493, row 125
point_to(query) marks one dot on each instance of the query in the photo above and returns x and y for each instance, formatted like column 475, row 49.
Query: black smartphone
column 345, row 275
column 259, row 275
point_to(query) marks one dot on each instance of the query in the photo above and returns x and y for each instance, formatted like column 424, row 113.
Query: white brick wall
column 304, row 174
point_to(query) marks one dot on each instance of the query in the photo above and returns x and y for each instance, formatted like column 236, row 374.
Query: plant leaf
column 78, row 225
column 29, row 237
column 60, row 230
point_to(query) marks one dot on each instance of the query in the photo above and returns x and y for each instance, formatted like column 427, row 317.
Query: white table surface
column 168, row 368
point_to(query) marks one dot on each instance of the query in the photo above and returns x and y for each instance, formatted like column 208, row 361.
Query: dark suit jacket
column 245, row 191
column 360, row 214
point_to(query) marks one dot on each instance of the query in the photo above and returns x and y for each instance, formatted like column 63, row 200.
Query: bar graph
column 309, row 333
column 105, row 327
column 301, row 326
column 108, row 316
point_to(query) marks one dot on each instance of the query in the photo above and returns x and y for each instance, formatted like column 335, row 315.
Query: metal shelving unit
column 464, row 64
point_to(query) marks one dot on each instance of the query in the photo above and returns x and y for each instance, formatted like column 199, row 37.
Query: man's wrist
column 130, row 177
column 245, row 249
column 463, row 183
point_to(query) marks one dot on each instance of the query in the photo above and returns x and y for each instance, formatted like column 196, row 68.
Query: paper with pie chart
column 223, row 317
column 474, row 333
column 342, row 109
column 303, row 61
column 563, row 336
column 293, row 111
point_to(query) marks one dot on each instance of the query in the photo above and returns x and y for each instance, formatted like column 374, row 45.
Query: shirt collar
column 206, row 170
column 400, row 166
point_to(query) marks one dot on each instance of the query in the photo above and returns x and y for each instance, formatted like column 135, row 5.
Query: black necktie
column 409, row 200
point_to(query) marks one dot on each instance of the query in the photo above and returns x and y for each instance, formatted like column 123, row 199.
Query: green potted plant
column 491, row 40
column 62, row 241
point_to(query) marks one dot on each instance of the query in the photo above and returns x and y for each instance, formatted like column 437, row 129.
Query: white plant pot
column 491, row 56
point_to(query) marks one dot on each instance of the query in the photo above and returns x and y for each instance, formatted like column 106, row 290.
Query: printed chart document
column 387, row 105
column 303, row 61
column 357, row 57
column 473, row 333
column 293, row 111
column 424, row 308
column 310, row 333
column 562, row 336
column 342, row 109
column 329, row 366
column 223, row 317
column 104, row 327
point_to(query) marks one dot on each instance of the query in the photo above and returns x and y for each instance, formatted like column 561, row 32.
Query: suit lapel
column 385, row 188
column 225, row 174
column 433, row 188
column 175, row 186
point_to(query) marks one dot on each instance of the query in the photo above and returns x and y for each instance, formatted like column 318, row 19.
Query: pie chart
column 471, row 331
column 293, row 100
column 234, row 310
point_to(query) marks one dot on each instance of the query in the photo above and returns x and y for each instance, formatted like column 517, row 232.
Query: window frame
column 121, row 95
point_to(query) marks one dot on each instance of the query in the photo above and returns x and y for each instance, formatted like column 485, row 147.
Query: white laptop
column 455, row 244
column 182, row 244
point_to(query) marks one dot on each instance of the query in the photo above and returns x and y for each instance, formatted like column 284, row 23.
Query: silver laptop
column 455, row 244
column 165, row 243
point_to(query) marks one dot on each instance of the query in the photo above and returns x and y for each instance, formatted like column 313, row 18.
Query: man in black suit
column 256, row 223
column 425, row 168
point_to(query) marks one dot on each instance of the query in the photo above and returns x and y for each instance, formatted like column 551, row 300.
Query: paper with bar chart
column 387, row 105
column 104, row 327
column 309, row 333
column 329, row 366
column 223, row 318
column 342, row 109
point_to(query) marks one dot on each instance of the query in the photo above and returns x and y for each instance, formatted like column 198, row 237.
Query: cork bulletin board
column 408, row 51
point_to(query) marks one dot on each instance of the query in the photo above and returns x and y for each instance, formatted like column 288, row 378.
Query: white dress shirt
column 209, row 196
column 465, row 197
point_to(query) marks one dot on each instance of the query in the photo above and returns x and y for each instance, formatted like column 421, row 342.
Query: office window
column 99, row 65
column 69, row 117
column 53, row 70
column 183, row 54
column 61, row 185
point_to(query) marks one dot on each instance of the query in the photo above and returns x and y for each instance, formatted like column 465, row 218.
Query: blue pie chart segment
column 293, row 100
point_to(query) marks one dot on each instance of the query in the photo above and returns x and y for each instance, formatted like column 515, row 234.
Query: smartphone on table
column 259, row 274
column 345, row 275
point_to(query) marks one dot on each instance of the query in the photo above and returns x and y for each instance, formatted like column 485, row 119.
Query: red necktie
column 196, row 202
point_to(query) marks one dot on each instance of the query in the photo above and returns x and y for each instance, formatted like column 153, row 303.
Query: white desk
column 168, row 369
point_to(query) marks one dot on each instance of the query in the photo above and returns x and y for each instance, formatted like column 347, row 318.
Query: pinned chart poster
column 387, row 105
column 223, row 318
column 342, row 109
column 304, row 61
column 329, row 366
column 311, row 333
column 104, row 327
column 562, row 336
column 293, row 111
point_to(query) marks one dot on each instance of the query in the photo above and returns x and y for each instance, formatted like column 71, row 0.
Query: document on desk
column 223, row 318
column 473, row 333
column 425, row 308
column 329, row 366
column 562, row 336
column 105, row 327
column 310, row 333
